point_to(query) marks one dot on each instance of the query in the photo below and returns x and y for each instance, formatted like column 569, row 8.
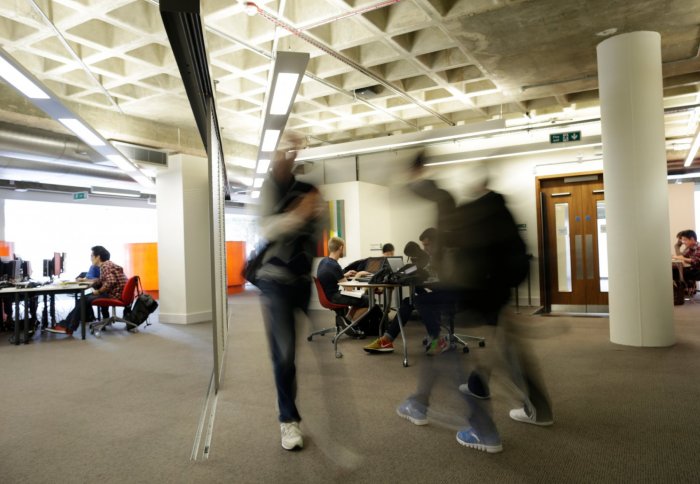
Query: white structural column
column 636, row 191
column 183, row 241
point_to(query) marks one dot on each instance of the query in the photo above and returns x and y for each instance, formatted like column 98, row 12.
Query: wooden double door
column 573, row 243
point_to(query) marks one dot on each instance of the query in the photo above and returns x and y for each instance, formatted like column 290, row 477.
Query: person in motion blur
column 290, row 213
column 479, row 257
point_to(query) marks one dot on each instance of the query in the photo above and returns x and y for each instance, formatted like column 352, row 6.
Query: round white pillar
column 636, row 189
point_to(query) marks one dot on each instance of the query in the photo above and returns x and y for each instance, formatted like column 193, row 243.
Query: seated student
column 329, row 274
column 691, row 254
column 92, row 275
column 385, row 344
column 110, row 285
column 361, row 265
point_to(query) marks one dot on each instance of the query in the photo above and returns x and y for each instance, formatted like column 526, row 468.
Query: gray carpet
column 125, row 408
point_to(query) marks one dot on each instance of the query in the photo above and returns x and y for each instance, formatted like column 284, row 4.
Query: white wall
column 184, row 269
column 681, row 209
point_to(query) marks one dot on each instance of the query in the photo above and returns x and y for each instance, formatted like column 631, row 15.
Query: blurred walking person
column 290, row 214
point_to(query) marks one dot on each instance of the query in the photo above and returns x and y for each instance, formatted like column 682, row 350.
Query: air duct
column 34, row 144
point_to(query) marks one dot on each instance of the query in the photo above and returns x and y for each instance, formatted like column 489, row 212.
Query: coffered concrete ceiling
column 376, row 68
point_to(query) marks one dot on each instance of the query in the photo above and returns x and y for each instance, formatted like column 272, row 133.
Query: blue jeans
column 279, row 303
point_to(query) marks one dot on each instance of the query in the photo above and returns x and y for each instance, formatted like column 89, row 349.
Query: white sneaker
column 291, row 436
column 521, row 415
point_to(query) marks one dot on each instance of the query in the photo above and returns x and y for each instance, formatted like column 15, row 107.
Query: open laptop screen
column 395, row 262
column 374, row 264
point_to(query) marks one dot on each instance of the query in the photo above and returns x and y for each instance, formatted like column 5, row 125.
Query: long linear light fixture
column 694, row 147
column 286, row 78
column 115, row 192
column 19, row 81
column 22, row 80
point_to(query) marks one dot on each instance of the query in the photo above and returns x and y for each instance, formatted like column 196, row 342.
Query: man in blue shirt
column 93, row 275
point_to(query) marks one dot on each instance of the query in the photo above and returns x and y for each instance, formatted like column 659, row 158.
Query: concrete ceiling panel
column 142, row 16
column 153, row 53
column 11, row 31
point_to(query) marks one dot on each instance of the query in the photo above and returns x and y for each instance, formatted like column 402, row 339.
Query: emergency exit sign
column 565, row 137
column 80, row 196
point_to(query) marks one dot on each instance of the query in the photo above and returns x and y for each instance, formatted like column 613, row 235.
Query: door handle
column 579, row 257
column 589, row 256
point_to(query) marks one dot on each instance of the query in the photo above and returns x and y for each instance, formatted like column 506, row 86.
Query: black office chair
column 448, row 322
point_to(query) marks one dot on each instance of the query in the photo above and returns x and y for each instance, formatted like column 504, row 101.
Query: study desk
column 387, row 293
column 77, row 289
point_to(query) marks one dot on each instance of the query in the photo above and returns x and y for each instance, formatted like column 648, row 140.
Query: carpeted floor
column 125, row 409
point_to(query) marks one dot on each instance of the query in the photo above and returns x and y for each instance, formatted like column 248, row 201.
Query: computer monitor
column 58, row 258
column 4, row 270
column 27, row 268
column 47, row 267
column 13, row 269
column 55, row 265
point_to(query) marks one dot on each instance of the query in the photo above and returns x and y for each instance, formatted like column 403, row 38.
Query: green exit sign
column 565, row 137
column 80, row 196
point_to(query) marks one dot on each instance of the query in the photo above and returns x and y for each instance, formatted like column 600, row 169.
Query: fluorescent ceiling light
column 269, row 142
column 244, row 162
column 122, row 162
column 247, row 181
column 83, row 132
column 115, row 191
column 693, row 149
column 257, row 183
column 683, row 176
column 510, row 155
column 255, row 194
column 263, row 166
column 284, row 92
column 12, row 75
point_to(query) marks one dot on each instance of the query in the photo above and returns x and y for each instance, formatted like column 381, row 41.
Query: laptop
column 373, row 265
column 395, row 262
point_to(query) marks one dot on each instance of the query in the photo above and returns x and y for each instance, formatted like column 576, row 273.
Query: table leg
column 25, row 332
column 45, row 314
column 17, row 323
column 398, row 317
column 52, row 312
column 82, row 314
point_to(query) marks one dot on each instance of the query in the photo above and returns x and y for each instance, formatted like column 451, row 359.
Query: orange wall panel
column 7, row 248
column 142, row 260
column 235, row 260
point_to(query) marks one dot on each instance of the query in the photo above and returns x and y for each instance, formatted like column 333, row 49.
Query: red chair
column 131, row 290
column 343, row 324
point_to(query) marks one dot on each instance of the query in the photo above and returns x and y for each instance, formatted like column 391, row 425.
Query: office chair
column 448, row 322
column 131, row 290
column 343, row 324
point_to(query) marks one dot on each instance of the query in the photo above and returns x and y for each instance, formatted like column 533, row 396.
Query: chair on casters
column 131, row 290
column 343, row 324
column 459, row 339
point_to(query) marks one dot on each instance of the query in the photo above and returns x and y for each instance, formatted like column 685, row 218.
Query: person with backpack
column 291, row 212
column 479, row 257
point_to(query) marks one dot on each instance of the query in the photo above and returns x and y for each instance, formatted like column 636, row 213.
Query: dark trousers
column 280, row 301
column 73, row 318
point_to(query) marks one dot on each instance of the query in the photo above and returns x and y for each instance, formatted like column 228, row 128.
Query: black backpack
column 144, row 305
